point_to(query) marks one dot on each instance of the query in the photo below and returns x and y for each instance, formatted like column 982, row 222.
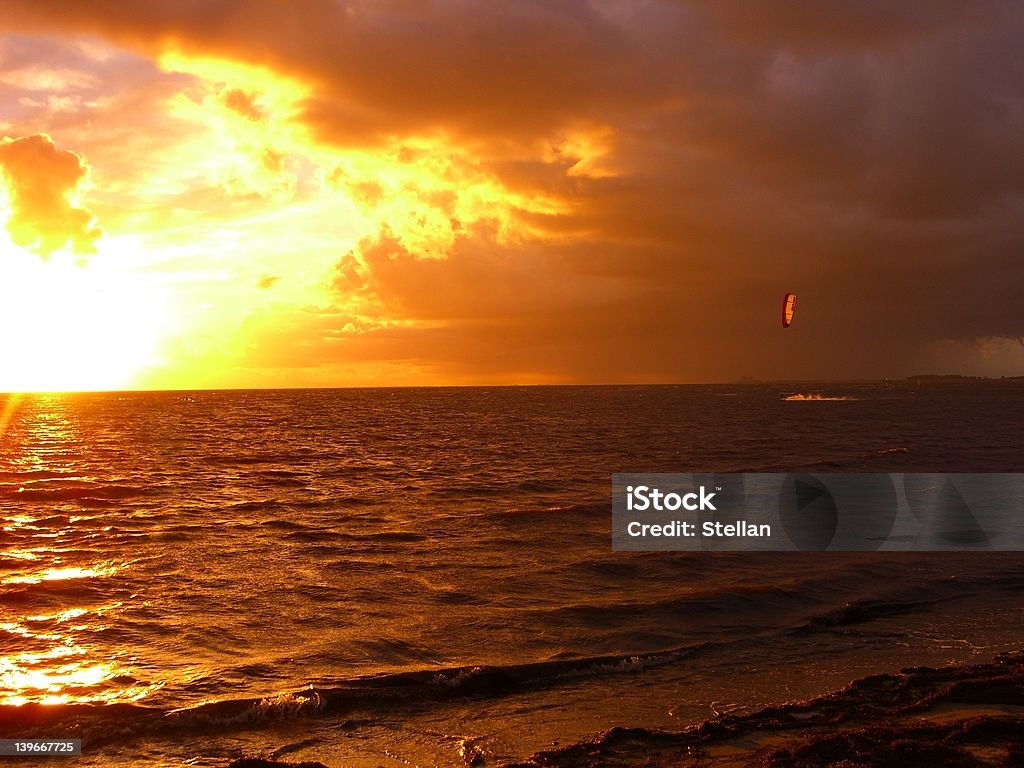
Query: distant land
column 919, row 378
column 959, row 377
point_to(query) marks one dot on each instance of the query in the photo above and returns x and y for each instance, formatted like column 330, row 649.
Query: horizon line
column 734, row 382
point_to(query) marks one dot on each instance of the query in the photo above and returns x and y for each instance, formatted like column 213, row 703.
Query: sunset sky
column 251, row 193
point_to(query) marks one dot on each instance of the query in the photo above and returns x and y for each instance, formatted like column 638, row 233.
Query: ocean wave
column 76, row 492
column 386, row 692
column 744, row 601
column 394, row 692
column 863, row 611
column 923, row 597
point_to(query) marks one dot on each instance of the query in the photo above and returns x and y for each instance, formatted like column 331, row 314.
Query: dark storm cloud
column 385, row 68
column 863, row 154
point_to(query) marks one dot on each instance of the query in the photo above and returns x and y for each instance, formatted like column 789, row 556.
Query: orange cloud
column 561, row 181
column 243, row 103
column 43, row 184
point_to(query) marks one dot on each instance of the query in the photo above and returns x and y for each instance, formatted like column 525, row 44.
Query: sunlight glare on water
column 51, row 655
column 176, row 549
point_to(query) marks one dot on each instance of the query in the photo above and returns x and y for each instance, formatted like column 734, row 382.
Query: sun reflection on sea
column 66, row 671
column 61, row 574
column 53, row 642
column 54, row 678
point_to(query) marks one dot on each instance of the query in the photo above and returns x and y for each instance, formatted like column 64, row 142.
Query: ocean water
column 425, row 576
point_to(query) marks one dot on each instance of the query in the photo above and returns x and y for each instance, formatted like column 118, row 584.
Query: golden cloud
column 44, row 185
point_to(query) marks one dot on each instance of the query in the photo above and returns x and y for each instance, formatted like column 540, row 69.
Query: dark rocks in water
column 905, row 746
column 959, row 716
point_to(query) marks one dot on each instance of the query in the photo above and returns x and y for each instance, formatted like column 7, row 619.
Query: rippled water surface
column 424, row 548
